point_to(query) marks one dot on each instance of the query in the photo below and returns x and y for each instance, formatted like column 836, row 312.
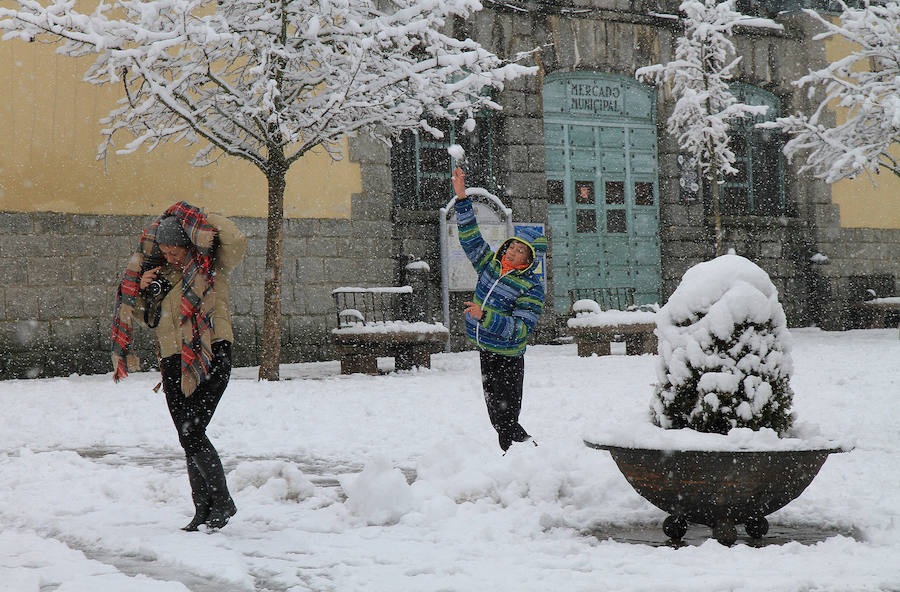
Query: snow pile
column 585, row 306
column 388, row 326
column 375, row 290
column 806, row 437
column 611, row 318
column 724, row 351
column 379, row 494
column 275, row 480
column 588, row 313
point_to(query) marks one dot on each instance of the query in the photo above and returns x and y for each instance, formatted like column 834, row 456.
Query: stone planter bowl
column 720, row 489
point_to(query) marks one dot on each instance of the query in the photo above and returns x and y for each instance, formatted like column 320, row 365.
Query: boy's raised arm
column 459, row 183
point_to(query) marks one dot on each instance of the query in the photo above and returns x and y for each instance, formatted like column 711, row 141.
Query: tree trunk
column 717, row 217
column 714, row 169
column 270, row 356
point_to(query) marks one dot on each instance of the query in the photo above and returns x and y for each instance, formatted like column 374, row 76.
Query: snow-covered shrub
column 724, row 351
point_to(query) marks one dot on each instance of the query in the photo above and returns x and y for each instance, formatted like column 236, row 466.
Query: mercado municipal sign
column 593, row 97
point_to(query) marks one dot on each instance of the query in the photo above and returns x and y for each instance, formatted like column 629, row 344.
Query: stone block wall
column 852, row 257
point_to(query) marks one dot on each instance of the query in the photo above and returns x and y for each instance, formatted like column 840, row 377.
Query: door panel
column 642, row 162
column 645, row 225
column 614, row 161
column 582, row 136
column 612, row 137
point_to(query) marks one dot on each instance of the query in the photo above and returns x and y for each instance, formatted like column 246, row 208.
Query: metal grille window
column 758, row 187
column 421, row 164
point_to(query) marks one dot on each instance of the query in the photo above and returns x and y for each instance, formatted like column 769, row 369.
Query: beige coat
column 232, row 244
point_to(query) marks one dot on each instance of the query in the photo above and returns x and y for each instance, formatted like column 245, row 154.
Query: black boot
column 221, row 505
column 200, row 495
column 222, row 509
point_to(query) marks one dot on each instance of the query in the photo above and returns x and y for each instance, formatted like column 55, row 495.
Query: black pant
column 192, row 414
column 501, row 377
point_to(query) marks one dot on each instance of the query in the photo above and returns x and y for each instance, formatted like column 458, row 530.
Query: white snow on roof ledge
column 759, row 23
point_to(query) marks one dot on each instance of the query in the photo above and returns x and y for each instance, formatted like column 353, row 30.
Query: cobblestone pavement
column 697, row 534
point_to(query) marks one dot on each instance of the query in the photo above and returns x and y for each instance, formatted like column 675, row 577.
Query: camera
column 155, row 291
column 158, row 288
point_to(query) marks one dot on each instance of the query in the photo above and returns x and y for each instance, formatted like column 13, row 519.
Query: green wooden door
column 602, row 186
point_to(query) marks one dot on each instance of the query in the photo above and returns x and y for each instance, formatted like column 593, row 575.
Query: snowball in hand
column 457, row 152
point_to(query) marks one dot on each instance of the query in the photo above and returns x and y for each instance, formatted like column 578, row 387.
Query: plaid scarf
column 197, row 301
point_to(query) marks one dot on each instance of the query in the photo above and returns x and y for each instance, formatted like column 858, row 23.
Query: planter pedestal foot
column 675, row 527
column 725, row 532
column 756, row 527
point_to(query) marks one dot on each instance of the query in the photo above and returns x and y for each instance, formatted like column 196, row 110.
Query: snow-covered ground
column 395, row 483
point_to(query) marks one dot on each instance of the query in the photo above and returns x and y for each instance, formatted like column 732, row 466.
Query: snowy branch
column 862, row 89
column 705, row 107
column 259, row 80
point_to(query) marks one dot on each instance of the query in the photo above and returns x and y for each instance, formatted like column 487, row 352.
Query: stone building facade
column 820, row 268
column 603, row 176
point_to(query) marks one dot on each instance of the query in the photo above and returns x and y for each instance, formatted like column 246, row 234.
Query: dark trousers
column 192, row 414
column 502, row 377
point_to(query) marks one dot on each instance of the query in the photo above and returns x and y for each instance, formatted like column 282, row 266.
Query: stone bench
column 594, row 329
column 877, row 311
column 375, row 322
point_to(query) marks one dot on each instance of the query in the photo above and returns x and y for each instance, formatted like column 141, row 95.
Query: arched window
column 758, row 187
column 421, row 164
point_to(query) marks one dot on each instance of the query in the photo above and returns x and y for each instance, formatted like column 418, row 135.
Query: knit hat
column 170, row 232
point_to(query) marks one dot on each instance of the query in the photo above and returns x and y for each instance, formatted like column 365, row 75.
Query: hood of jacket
column 532, row 237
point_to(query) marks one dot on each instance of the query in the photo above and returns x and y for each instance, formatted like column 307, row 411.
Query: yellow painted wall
column 864, row 204
column 50, row 130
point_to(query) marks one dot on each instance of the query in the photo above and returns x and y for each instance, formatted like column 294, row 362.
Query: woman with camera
column 180, row 271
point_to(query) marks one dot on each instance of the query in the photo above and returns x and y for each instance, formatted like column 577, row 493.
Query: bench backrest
column 867, row 287
column 355, row 306
column 621, row 298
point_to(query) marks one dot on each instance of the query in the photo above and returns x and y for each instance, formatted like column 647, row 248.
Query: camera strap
column 153, row 310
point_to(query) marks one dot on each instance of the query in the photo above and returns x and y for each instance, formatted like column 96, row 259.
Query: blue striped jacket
column 512, row 302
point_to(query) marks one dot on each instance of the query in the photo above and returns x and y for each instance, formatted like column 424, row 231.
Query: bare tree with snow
column 704, row 105
column 864, row 86
column 268, row 81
